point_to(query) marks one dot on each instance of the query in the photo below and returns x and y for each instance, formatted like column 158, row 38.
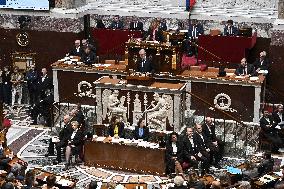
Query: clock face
column 23, row 39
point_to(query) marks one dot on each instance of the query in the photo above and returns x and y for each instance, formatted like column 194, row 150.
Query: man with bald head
column 62, row 142
column 144, row 63
column 76, row 50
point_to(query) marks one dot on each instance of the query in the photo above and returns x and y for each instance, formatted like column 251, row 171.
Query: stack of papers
column 267, row 179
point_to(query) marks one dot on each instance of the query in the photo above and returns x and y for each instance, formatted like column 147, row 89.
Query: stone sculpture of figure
column 115, row 106
column 159, row 113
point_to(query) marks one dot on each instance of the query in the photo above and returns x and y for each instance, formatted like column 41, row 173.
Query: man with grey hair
column 262, row 63
column 144, row 63
column 178, row 181
column 62, row 140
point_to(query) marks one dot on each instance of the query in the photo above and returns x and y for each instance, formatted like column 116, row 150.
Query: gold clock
column 23, row 39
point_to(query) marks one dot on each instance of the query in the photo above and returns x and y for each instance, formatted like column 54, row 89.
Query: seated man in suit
column 116, row 23
column 195, row 29
column 230, row 29
column 136, row 24
column 75, row 140
column 190, row 152
column 141, row 131
column 162, row 24
column 88, row 57
column 202, row 144
column 269, row 132
column 278, row 115
column 116, row 128
column 262, row 63
column 245, row 69
column 173, row 154
column 144, row 63
column 208, row 129
column 77, row 49
column 64, row 133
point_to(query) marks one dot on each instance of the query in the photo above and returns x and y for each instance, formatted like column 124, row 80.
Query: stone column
column 281, row 9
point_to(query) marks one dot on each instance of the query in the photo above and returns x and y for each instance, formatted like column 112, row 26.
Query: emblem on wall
column 23, row 39
column 85, row 89
column 223, row 102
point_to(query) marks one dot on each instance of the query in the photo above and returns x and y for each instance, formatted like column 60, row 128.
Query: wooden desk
column 124, row 157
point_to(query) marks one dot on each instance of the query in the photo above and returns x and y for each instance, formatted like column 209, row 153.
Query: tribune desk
column 125, row 157
column 166, row 57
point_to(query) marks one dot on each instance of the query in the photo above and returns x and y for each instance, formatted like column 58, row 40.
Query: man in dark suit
column 136, row 25
column 77, row 49
column 195, row 29
column 144, row 63
column 32, row 79
column 64, row 133
column 202, row 144
column 230, row 29
column 44, row 84
column 116, row 23
column 88, row 57
column 141, row 131
column 173, row 155
column 190, row 157
column 74, row 142
column 278, row 115
column 208, row 129
column 269, row 132
column 262, row 63
column 116, row 128
column 245, row 69
column 266, row 165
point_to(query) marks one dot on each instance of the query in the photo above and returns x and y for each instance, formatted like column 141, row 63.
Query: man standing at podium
column 144, row 63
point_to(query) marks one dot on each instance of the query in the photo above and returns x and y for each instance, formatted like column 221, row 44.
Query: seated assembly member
column 77, row 49
column 116, row 128
column 245, row 69
column 88, row 57
column 141, row 131
column 116, row 23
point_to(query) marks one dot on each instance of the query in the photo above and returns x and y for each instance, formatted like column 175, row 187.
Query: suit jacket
column 234, row 31
column 264, row 66
column 147, row 66
column 210, row 135
column 139, row 26
column 158, row 35
column 6, row 78
column 120, row 130
column 250, row 70
column 74, row 52
column 201, row 145
column 163, row 26
column 198, row 28
column 65, row 132
column 116, row 25
column 170, row 154
column 189, row 149
column 267, row 131
column 145, row 135
column 78, row 138
column 89, row 59
column 32, row 79
column 276, row 117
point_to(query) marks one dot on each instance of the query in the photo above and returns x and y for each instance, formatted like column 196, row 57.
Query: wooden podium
column 166, row 58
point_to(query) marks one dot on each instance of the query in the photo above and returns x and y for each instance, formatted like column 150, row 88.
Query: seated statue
column 115, row 106
column 157, row 119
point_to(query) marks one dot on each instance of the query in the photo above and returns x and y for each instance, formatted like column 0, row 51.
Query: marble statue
column 116, row 107
column 158, row 114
